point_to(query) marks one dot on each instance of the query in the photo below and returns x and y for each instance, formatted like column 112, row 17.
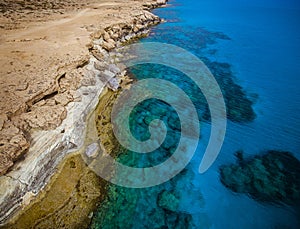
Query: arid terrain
column 43, row 49
column 47, row 87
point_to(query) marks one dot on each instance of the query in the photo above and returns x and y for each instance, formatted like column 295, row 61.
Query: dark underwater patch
column 272, row 177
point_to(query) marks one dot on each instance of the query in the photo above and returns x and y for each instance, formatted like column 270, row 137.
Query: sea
column 255, row 45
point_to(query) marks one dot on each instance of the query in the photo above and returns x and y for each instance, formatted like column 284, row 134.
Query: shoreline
column 24, row 182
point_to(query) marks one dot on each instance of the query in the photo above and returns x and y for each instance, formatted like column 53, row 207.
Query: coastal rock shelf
column 67, row 201
column 45, row 110
column 49, row 121
column 120, row 33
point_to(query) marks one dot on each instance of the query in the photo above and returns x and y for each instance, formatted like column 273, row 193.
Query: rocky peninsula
column 57, row 57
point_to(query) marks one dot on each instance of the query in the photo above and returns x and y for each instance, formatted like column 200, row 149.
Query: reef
column 197, row 40
column 155, row 207
column 273, row 177
column 239, row 105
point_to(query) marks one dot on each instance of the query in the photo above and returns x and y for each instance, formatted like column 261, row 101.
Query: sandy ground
column 52, row 56
column 43, row 49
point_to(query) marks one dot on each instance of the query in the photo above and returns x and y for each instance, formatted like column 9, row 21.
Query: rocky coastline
column 38, row 135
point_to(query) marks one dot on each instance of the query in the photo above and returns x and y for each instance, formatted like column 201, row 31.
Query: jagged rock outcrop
column 46, row 110
column 48, row 121
column 113, row 36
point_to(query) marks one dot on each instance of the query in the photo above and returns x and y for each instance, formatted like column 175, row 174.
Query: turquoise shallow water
column 253, row 49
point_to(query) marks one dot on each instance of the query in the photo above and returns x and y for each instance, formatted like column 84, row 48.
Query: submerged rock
column 272, row 177
column 178, row 220
column 168, row 200
column 239, row 105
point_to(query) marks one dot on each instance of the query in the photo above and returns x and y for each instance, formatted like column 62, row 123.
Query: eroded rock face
column 71, row 198
column 272, row 177
column 48, row 106
column 112, row 36
column 43, row 106
column 13, row 144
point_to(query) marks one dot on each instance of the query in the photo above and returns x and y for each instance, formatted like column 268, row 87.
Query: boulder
column 128, row 37
column 113, row 84
column 115, row 36
column 106, row 36
column 109, row 45
column 161, row 2
column 100, row 65
column 113, row 68
column 106, row 76
column 97, row 55
column 97, row 34
column 92, row 150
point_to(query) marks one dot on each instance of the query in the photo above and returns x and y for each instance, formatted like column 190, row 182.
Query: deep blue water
column 264, row 54
column 260, row 43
